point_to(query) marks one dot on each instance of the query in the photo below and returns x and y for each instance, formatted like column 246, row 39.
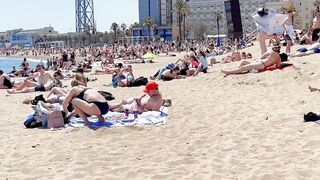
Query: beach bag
column 55, row 119
column 141, row 81
column 108, row 96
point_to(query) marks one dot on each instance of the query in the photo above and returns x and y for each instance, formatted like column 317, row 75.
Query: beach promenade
column 237, row 127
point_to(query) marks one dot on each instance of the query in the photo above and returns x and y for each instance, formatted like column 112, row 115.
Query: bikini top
column 81, row 95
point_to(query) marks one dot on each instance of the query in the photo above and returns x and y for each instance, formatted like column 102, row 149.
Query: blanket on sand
column 116, row 119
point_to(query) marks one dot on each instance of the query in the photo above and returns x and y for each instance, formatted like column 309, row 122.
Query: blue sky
column 60, row 14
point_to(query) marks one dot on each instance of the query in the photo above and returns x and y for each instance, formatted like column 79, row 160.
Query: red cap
column 150, row 86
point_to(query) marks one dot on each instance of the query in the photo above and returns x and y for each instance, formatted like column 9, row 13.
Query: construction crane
column 85, row 22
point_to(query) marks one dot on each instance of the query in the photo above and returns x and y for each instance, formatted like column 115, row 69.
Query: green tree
column 115, row 28
column 182, row 9
column 148, row 23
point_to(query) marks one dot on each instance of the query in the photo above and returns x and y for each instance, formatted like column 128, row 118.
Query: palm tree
column 148, row 23
column 115, row 29
column 182, row 9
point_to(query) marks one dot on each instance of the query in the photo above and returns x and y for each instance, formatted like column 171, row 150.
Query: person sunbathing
column 24, row 88
column 5, row 81
column 85, row 102
column 42, row 79
column 203, row 65
column 150, row 101
column 268, row 59
column 171, row 74
column 130, row 77
column 313, row 49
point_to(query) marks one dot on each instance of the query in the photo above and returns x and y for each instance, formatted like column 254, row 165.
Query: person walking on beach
column 272, row 58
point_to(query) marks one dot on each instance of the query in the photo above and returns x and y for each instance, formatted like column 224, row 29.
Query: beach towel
column 271, row 23
column 272, row 68
column 116, row 119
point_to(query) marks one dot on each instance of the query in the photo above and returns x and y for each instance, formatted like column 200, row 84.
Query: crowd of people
column 199, row 56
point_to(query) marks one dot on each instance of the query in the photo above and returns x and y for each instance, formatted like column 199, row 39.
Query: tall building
column 304, row 14
column 205, row 11
column 159, row 10
column 161, row 13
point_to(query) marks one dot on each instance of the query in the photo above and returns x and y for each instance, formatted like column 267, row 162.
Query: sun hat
column 150, row 86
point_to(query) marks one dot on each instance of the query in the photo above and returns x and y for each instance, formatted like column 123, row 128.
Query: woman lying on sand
column 272, row 58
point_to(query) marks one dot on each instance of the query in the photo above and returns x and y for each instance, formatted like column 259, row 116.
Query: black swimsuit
column 7, row 83
column 103, row 106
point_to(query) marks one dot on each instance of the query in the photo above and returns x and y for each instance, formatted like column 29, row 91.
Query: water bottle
column 126, row 113
column 135, row 113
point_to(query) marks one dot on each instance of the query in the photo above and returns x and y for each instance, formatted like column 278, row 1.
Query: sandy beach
column 237, row 127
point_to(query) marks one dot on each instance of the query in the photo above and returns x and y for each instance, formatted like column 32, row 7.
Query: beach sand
column 237, row 127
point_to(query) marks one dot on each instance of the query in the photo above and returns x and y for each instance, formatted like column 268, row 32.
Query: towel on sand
column 272, row 68
column 116, row 119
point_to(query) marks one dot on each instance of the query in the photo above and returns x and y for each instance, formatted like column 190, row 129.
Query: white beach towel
column 115, row 119
column 271, row 23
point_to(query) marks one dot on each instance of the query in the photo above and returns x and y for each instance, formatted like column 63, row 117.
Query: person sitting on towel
column 150, row 101
column 272, row 58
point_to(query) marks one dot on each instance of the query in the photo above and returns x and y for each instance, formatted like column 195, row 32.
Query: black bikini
column 103, row 106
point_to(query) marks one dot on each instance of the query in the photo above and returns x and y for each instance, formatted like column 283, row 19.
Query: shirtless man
column 313, row 49
column 268, row 59
column 42, row 77
column 316, row 25
column 151, row 101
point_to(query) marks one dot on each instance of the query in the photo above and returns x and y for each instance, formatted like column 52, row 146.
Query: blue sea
column 6, row 64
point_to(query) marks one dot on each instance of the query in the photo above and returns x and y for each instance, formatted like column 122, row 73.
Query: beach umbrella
column 149, row 56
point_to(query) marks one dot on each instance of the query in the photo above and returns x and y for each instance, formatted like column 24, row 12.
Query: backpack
column 108, row 96
column 55, row 119
column 31, row 122
column 141, row 81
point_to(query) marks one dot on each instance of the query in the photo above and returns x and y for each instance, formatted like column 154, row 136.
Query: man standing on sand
column 151, row 101
column 272, row 58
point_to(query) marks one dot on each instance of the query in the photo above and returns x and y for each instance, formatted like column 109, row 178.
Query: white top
column 203, row 61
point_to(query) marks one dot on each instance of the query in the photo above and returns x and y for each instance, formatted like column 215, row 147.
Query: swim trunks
column 302, row 50
column 39, row 88
column 315, row 35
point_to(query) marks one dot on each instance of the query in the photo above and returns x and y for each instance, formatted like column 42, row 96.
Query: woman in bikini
column 268, row 59
column 85, row 102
